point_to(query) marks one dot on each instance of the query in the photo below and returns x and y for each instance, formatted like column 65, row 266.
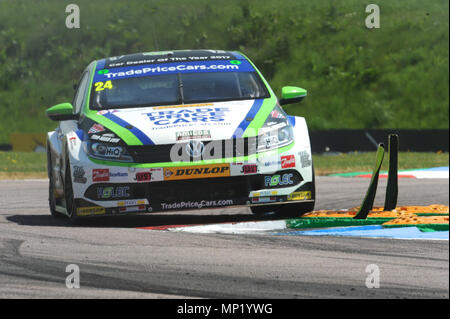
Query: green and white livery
column 178, row 130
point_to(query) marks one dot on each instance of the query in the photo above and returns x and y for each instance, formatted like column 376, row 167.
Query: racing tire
column 261, row 210
column 294, row 210
column 51, row 188
column 285, row 210
column 71, row 206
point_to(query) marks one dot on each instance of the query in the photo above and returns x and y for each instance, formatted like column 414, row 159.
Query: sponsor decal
column 103, row 112
column 167, row 173
column 193, row 134
column 78, row 175
column 84, row 211
column 200, row 171
column 143, row 177
column 305, row 195
column 112, row 192
column 104, row 175
column 113, row 151
column 107, row 138
column 183, row 105
column 129, row 209
column 305, row 160
column 157, row 174
column 277, row 115
column 132, row 202
column 269, row 140
column 264, row 199
column 152, row 57
column 72, row 142
column 249, row 169
column 118, row 174
column 198, row 115
column 287, row 161
column 196, row 204
column 272, row 163
column 100, row 175
column 96, row 128
column 278, row 180
column 265, row 193
column 122, row 72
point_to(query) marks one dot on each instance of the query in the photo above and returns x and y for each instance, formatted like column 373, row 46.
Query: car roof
column 168, row 56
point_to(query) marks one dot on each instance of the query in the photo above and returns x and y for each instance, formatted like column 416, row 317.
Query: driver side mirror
column 61, row 112
column 292, row 94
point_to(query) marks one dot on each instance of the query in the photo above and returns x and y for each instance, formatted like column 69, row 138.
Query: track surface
column 117, row 260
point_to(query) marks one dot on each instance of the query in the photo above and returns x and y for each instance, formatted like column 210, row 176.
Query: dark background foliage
column 393, row 77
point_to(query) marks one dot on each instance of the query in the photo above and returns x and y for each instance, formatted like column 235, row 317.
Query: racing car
column 178, row 130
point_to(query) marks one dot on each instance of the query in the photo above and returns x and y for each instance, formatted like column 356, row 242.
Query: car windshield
column 176, row 88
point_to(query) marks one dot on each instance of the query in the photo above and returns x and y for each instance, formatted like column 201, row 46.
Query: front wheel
column 294, row 210
column 71, row 206
column 51, row 187
column 285, row 210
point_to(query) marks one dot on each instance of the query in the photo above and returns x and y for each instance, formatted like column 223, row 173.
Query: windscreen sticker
column 100, row 86
column 105, row 75
column 168, row 57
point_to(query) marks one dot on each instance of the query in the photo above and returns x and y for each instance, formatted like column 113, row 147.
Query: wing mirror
column 62, row 112
column 292, row 94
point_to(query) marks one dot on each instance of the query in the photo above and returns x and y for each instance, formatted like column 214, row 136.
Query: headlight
column 276, row 131
column 104, row 151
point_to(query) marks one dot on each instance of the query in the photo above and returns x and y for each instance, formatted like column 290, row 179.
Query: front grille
column 223, row 149
column 194, row 189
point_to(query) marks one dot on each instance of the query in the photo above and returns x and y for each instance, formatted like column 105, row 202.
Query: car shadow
column 140, row 221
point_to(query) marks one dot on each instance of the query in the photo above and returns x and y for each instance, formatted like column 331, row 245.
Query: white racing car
column 178, row 130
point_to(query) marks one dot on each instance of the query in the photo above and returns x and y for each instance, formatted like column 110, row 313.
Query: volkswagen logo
column 195, row 148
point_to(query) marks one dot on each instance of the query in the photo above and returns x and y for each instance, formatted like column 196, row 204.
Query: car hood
column 175, row 123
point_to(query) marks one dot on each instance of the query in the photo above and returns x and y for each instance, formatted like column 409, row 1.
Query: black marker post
column 367, row 203
column 390, row 201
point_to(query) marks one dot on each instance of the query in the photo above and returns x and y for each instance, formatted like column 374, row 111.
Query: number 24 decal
column 100, row 86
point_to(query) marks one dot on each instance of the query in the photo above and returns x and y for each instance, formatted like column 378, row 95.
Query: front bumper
column 275, row 178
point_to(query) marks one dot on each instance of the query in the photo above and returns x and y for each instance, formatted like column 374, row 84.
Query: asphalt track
column 117, row 260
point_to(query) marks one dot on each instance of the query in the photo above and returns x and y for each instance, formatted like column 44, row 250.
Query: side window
column 81, row 90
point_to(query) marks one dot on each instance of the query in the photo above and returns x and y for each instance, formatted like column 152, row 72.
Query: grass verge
column 19, row 165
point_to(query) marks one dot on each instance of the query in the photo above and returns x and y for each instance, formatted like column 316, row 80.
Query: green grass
column 23, row 162
column 393, row 77
column 23, row 165
column 365, row 162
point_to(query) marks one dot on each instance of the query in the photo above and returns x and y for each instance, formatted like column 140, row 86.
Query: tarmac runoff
column 423, row 173
column 404, row 222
